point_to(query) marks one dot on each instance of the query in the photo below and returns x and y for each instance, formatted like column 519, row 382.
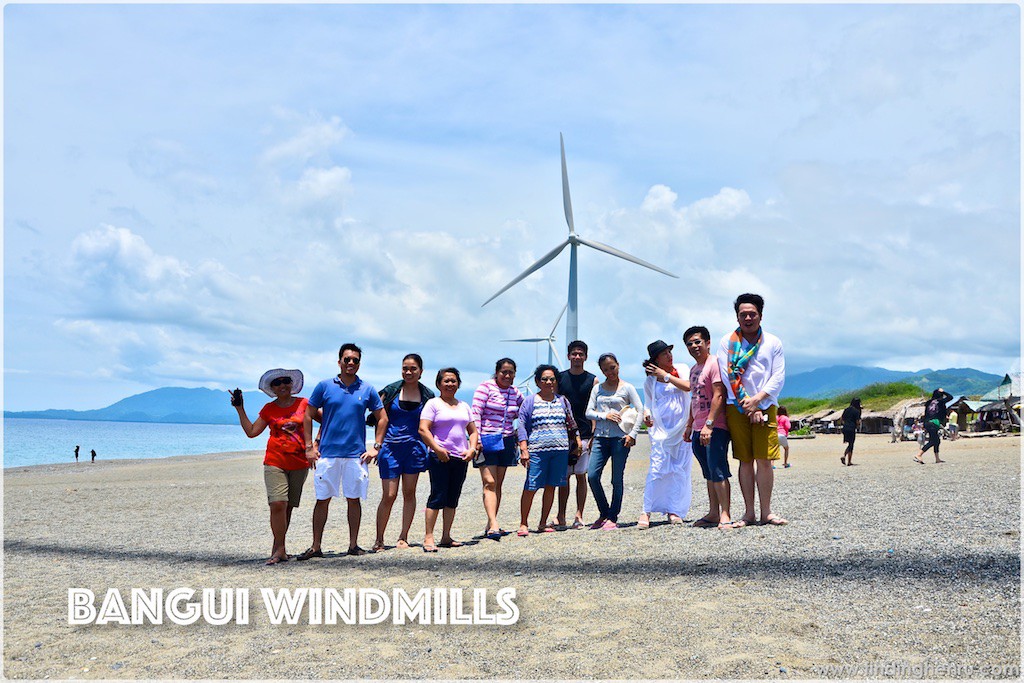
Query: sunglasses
column 281, row 380
column 352, row 361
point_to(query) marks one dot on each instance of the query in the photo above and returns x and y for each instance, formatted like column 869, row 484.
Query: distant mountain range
column 172, row 404
column 838, row 379
column 210, row 406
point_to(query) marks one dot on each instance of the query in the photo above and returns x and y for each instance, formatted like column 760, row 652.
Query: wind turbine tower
column 573, row 241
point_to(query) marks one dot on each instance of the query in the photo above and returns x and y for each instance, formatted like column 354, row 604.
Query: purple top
column 448, row 425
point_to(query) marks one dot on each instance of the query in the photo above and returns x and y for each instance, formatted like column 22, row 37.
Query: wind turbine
column 550, row 339
column 573, row 241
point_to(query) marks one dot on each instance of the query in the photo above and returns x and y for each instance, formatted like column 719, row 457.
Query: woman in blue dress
column 402, row 455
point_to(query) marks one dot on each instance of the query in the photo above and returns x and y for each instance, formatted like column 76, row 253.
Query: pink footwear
column 600, row 523
column 609, row 526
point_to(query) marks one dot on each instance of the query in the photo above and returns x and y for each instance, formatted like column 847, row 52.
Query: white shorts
column 337, row 477
column 783, row 440
column 581, row 465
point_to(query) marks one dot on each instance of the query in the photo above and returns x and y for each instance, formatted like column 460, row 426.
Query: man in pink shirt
column 707, row 413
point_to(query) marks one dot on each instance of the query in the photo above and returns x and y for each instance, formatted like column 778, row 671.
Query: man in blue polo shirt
column 340, row 451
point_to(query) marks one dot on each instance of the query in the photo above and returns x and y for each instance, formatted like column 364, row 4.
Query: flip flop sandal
column 453, row 544
column 308, row 553
column 430, row 548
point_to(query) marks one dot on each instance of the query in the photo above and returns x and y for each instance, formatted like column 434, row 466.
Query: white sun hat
column 270, row 375
column 629, row 418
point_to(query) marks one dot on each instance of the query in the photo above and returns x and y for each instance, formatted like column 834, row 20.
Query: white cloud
column 324, row 185
column 315, row 138
column 726, row 205
column 862, row 173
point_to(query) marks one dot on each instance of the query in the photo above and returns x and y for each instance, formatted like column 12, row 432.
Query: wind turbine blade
column 623, row 255
column 536, row 339
column 566, row 202
column 554, row 354
column 555, row 326
column 544, row 260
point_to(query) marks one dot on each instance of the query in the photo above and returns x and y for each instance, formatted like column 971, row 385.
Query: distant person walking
column 851, row 421
column 951, row 425
column 784, row 428
column 285, row 466
column 93, row 452
column 76, row 453
column 934, row 417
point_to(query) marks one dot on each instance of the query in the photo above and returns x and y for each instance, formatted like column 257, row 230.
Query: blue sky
column 194, row 194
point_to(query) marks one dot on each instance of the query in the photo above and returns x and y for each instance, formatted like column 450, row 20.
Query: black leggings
column 933, row 437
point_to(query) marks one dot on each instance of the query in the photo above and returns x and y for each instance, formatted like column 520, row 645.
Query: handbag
column 494, row 443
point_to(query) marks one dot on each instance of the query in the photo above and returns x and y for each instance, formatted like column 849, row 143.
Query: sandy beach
column 886, row 563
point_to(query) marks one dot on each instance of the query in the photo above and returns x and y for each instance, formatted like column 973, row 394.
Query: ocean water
column 41, row 442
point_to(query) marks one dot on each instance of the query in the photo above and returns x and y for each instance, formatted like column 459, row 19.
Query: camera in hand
column 236, row 397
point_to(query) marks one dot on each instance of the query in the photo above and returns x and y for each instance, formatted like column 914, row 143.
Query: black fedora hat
column 655, row 348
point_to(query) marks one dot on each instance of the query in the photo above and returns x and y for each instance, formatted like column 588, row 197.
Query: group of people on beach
column 92, row 454
column 574, row 427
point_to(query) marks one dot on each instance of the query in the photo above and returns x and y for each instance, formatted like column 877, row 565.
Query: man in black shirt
column 934, row 417
column 576, row 384
column 851, row 421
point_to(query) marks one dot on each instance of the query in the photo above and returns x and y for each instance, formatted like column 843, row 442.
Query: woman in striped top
column 545, row 424
column 495, row 408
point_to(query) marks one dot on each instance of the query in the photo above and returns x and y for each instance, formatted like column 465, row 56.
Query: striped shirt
column 492, row 407
column 544, row 424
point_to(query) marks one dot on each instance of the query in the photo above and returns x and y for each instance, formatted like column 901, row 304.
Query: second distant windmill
column 573, row 241
column 550, row 339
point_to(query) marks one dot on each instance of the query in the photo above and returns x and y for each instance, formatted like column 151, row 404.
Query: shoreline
column 199, row 457
column 925, row 575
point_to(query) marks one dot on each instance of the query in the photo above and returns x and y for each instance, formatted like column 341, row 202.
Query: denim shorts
column 405, row 457
column 713, row 458
column 507, row 457
column 547, row 468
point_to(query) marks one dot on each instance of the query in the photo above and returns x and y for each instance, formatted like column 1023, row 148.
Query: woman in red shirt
column 285, row 465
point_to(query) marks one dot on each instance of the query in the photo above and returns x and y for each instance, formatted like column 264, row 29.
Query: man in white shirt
column 753, row 368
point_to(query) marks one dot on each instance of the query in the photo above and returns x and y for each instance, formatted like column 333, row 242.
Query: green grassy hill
column 880, row 396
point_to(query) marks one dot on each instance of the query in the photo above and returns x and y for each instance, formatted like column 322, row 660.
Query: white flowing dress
column 668, row 487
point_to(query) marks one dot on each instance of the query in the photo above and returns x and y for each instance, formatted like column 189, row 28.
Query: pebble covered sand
column 884, row 564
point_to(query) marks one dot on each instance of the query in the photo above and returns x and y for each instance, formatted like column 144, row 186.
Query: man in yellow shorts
column 754, row 369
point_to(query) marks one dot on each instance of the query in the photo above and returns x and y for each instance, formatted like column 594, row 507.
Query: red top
column 286, row 447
